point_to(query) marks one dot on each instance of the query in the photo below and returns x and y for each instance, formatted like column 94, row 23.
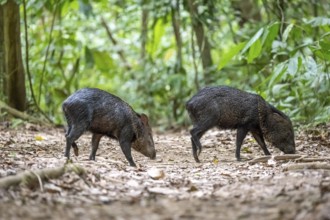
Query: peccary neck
column 136, row 124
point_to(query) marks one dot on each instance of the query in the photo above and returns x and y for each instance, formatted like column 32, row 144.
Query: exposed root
column 35, row 178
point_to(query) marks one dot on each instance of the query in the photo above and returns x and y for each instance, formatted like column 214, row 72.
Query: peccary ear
column 278, row 112
column 144, row 119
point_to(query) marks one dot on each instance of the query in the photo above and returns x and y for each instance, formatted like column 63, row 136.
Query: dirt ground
column 173, row 186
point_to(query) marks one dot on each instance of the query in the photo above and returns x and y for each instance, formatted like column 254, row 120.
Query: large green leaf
column 254, row 51
column 232, row 51
column 158, row 32
column 252, row 40
column 287, row 32
column 270, row 35
column 324, row 55
column 293, row 65
column 103, row 60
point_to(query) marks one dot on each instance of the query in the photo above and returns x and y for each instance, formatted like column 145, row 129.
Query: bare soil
column 173, row 186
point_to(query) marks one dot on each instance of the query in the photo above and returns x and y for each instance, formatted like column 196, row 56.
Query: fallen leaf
column 39, row 138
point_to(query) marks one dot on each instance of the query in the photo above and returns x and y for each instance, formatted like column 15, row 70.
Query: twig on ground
column 286, row 157
column 304, row 166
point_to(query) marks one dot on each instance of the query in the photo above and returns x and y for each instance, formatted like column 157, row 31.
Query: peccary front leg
column 260, row 140
column 95, row 144
column 126, row 148
column 241, row 134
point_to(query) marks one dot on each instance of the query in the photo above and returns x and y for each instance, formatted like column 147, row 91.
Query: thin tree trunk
column 202, row 41
column 2, row 54
column 14, row 79
column 248, row 11
column 144, row 30
column 175, row 13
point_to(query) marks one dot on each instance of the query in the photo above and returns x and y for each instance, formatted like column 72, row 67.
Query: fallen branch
column 32, row 178
column 313, row 159
column 21, row 115
column 304, row 166
column 286, row 157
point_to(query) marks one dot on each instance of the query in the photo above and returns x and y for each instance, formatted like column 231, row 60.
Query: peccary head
column 278, row 130
column 144, row 142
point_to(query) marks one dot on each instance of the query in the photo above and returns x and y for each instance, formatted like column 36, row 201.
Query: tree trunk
column 248, row 11
column 202, row 41
column 175, row 14
column 144, row 30
column 2, row 54
column 14, row 78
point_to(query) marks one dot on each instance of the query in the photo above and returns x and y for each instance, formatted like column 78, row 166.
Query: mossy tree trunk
column 13, row 77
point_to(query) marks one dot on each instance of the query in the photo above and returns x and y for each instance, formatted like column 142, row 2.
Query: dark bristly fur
column 105, row 114
column 229, row 108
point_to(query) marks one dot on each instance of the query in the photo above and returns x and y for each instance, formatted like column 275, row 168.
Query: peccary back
column 102, row 113
column 229, row 108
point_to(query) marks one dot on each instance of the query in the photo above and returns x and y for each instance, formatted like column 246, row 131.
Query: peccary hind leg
column 95, row 144
column 71, row 137
column 196, row 134
column 241, row 134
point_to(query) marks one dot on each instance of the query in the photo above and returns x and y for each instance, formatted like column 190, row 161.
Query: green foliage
column 285, row 59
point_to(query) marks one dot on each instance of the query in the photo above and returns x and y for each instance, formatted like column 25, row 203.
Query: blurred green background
column 155, row 54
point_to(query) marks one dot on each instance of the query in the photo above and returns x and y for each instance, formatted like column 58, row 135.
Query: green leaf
column 69, row 6
column 293, row 66
column 325, row 45
column 270, row 35
column 278, row 89
column 252, row 40
column 323, row 55
column 158, row 32
column 232, row 51
column 287, row 32
column 279, row 71
column 254, row 51
column 311, row 65
column 103, row 60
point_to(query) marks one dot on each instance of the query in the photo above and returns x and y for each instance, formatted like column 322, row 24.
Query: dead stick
column 21, row 115
column 314, row 159
column 277, row 158
column 303, row 166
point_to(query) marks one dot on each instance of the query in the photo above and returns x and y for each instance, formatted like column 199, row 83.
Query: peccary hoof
column 197, row 160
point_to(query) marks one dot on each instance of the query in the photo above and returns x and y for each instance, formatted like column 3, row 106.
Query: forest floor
column 173, row 186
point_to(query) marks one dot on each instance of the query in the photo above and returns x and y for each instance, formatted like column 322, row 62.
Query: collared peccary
column 229, row 108
column 102, row 113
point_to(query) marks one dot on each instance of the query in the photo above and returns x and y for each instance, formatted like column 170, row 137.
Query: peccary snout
column 144, row 143
column 229, row 108
column 105, row 114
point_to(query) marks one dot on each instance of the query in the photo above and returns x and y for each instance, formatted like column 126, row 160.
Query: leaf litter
column 173, row 186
